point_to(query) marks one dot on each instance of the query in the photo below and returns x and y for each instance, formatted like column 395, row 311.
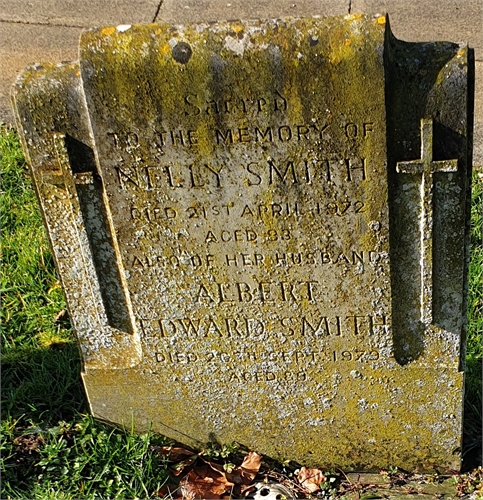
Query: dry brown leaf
column 249, row 468
column 61, row 315
column 311, row 479
column 204, row 482
column 246, row 489
column 216, row 467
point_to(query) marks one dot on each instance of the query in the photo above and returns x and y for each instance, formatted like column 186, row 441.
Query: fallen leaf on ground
column 204, row 482
column 247, row 471
column 61, row 315
column 216, row 467
column 311, row 479
column 247, row 489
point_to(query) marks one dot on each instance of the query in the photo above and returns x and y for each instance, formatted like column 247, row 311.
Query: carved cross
column 426, row 167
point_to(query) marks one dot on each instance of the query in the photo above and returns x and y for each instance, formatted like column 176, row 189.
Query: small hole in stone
column 279, row 497
column 182, row 52
column 265, row 492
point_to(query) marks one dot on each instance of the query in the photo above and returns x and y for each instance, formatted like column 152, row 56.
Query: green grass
column 51, row 448
column 80, row 459
column 473, row 398
column 475, row 291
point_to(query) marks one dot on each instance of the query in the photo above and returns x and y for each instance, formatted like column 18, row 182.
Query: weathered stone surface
column 24, row 44
column 270, row 244
column 387, row 487
column 79, row 13
column 53, row 119
column 189, row 11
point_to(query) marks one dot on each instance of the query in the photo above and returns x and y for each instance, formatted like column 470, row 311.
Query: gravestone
column 261, row 231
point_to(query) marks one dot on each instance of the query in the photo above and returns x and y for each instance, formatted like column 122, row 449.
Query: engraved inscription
column 315, row 326
column 283, row 133
column 314, row 258
column 261, row 211
column 280, row 366
column 236, row 226
column 285, row 357
column 270, row 172
column 186, row 137
column 194, row 105
column 263, row 291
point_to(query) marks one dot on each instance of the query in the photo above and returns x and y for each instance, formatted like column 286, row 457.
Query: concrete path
column 48, row 30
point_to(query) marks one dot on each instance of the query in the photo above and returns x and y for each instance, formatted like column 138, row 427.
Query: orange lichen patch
column 165, row 49
column 108, row 31
column 238, row 29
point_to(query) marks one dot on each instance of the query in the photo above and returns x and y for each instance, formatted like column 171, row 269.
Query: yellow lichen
column 108, row 31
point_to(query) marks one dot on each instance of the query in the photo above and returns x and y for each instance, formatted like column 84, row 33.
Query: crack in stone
column 40, row 23
column 156, row 14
